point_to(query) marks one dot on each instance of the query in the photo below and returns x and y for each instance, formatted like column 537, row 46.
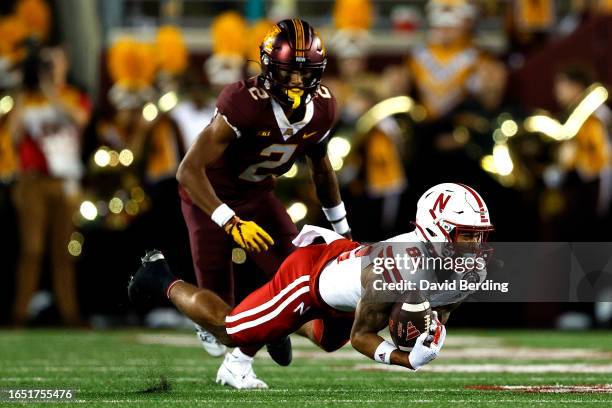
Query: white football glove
column 421, row 353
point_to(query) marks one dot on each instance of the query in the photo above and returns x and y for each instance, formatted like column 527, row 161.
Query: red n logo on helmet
column 439, row 204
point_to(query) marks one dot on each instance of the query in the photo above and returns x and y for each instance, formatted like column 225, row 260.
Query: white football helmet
column 449, row 209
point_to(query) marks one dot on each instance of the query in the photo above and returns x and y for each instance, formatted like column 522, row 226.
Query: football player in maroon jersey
column 261, row 126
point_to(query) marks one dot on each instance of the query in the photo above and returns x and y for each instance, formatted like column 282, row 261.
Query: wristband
column 383, row 352
column 335, row 214
column 222, row 215
column 341, row 227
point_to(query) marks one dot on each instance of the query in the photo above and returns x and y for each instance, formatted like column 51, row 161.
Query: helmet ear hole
column 430, row 232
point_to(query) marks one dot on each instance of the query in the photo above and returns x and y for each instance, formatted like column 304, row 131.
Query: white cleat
column 238, row 373
column 210, row 343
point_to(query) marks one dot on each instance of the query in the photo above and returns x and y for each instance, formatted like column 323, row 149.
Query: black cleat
column 280, row 351
column 148, row 286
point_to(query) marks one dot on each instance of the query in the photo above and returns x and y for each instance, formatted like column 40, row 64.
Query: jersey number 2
column 286, row 151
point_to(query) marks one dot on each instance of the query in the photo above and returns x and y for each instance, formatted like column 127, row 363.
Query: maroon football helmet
column 290, row 46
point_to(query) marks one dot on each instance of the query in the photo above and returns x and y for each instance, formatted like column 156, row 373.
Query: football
column 410, row 316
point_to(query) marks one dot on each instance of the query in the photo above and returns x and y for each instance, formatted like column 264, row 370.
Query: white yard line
column 548, row 389
column 495, row 368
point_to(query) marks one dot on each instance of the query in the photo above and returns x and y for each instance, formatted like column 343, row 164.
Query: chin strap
column 296, row 95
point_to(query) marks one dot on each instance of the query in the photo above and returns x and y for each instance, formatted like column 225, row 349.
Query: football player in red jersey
column 332, row 293
column 261, row 126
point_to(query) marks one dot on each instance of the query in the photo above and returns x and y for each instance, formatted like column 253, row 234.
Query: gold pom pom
column 12, row 32
column 228, row 34
column 36, row 16
column 172, row 53
column 131, row 64
column 353, row 14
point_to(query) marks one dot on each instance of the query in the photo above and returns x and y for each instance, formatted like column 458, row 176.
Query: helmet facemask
column 277, row 79
column 465, row 241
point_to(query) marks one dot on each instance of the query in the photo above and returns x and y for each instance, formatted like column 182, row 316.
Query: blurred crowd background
column 99, row 100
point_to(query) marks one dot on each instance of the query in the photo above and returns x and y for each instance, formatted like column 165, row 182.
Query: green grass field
column 168, row 368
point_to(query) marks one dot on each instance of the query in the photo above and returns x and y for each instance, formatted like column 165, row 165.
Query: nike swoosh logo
column 307, row 135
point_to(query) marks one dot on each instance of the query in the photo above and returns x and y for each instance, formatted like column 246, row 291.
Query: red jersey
column 266, row 143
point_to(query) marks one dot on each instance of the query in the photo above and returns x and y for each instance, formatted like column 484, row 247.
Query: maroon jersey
column 266, row 144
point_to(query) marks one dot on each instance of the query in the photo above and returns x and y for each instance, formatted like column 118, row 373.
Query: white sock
column 241, row 356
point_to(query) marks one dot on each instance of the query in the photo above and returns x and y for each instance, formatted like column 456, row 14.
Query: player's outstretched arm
column 372, row 315
column 191, row 174
column 328, row 192
column 208, row 147
column 370, row 318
